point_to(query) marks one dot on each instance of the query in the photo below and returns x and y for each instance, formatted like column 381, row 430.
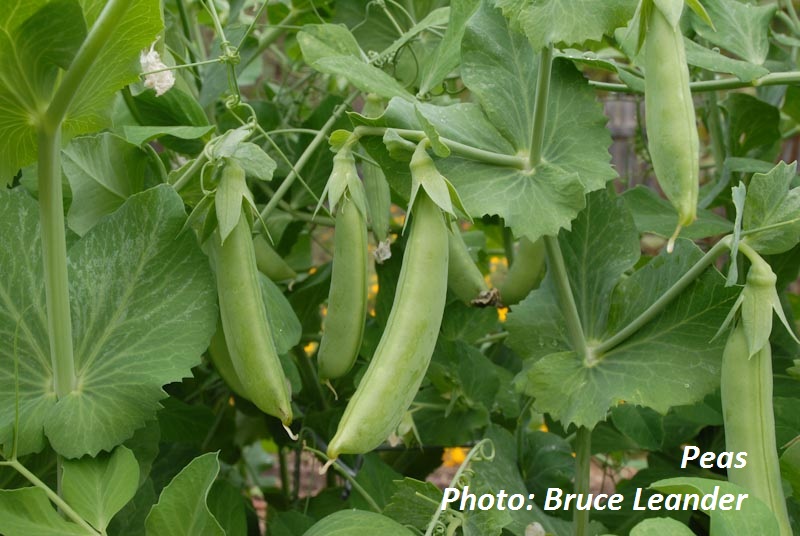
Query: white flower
column 162, row 80
column 383, row 252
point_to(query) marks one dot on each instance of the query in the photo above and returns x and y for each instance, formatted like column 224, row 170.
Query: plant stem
column 181, row 182
column 583, row 465
column 665, row 299
column 53, row 496
column 460, row 149
column 54, row 255
column 51, row 202
column 540, row 106
column 771, row 79
column 320, row 138
column 566, row 299
column 337, row 465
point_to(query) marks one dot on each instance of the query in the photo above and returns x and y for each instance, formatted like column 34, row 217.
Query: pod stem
column 583, row 465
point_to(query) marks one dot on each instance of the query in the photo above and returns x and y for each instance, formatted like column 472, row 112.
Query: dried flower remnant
column 156, row 73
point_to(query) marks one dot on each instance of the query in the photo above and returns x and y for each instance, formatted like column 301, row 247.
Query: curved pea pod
column 269, row 262
column 463, row 276
column 347, row 300
column 245, row 324
column 670, row 116
column 401, row 359
column 746, row 387
column 525, row 273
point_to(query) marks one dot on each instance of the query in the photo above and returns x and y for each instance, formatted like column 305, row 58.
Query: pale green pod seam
column 404, row 352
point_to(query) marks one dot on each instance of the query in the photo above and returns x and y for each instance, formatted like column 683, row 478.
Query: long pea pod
column 525, row 273
column 347, row 300
column 669, row 114
column 405, row 349
column 221, row 358
column 244, row 320
column 463, row 276
column 379, row 202
column 749, row 420
column 269, row 262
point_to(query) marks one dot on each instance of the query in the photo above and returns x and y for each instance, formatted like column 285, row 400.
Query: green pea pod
column 463, row 276
column 244, row 322
column 269, row 262
column 670, row 116
column 379, row 202
column 221, row 358
column 405, row 349
column 347, row 300
column 525, row 273
column 750, row 422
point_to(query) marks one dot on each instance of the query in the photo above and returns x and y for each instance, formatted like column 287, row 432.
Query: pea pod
column 221, row 358
column 669, row 114
column 746, row 386
column 347, row 300
column 379, row 202
column 525, row 273
column 406, row 346
column 245, row 325
column 269, row 262
column 463, row 276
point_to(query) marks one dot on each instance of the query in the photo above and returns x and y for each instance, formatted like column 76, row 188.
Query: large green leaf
column 668, row 362
column 38, row 40
column 103, row 171
column 661, row 526
column 572, row 22
column 28, row 512
column 357, row 523
column 182, row 508
column 740, row 27
column 142, row 301
column 98, row 488
column 332, row 49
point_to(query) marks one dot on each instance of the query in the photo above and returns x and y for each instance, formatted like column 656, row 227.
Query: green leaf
column 661, row 526
column 546, row 461
column 28, row 512
column 357, row 523
column 38, row 39
column 571, row 22
column 139, row 135
column 448, row 52
column 668, row 362
column 256, row 163
column 143, row 306
column 103, row 171
column 440, row 149
column 379, row 481
column 790, row 468
column 414, row 502
column 182, row 508
column 771, row 201
column 594, row 271
column 753, row 127
column 98, row 488
column 713, row 60
column 753, row 518
column 740, row 27
column 226, row 504
column 656, row 215
column 228, row 200
column 643, row 425
column 283, row 321
column 332, row 49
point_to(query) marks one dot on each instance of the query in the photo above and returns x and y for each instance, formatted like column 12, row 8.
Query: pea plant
column 242, row 236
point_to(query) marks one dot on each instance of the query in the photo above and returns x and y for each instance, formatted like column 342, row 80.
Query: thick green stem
column 51, row 203
column 320, row 138
column 540, row 106
column 54, row 255
column 102, row 29
column 772, row 79
column 665, row 299
column 583, row 465
column 53, row 496
column 181, row 182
